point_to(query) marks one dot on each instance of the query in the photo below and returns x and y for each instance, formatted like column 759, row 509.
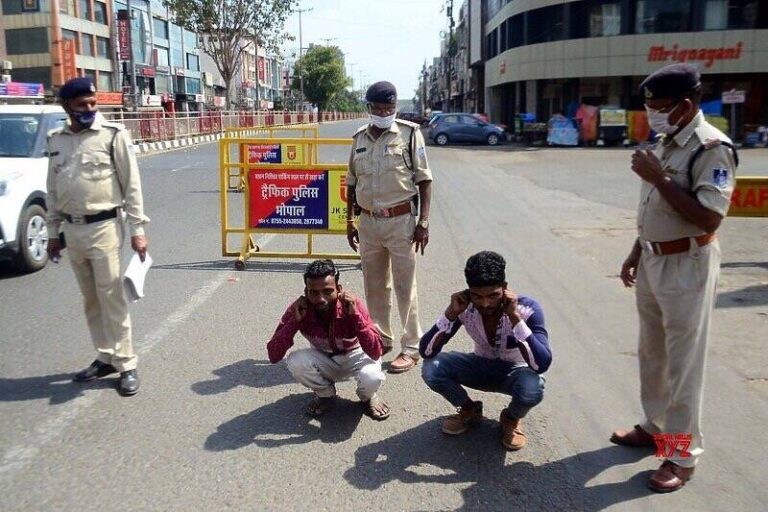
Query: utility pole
column 450, row 53
column 131, row 63
column 362, row 94
column 352, row 74
column 301, row 55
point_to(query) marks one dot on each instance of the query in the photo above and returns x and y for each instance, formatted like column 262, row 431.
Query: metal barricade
column 297, row 197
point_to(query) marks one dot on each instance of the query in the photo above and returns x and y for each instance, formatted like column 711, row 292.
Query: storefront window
column 90, row 73
column 605, row 19
column 657, row 16
column 193, row 86
column 105, row 81
column 516, row 31
column 162, row 83
column 731, row 14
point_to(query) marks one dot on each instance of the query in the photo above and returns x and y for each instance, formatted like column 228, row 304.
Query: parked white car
column 23, row 172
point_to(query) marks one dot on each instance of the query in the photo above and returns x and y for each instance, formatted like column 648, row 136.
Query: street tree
column 226, row 29
column 324, row 77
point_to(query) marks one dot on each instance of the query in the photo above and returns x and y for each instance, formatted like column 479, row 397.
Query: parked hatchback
column 447, row 128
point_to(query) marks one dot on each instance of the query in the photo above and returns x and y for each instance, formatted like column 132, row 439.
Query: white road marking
column 16, row 457
column 183, row 167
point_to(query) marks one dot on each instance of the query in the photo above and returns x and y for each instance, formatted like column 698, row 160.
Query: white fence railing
column 158, row 126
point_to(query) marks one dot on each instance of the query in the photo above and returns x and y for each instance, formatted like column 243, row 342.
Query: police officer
column 674, row 265
column 92, row 178
column 390, row 180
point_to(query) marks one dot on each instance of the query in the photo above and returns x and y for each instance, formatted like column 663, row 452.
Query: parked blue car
column 457, row 127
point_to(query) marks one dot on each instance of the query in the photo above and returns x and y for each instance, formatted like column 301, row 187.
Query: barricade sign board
column 750, row 197
column 275, row 154
column 304, row 199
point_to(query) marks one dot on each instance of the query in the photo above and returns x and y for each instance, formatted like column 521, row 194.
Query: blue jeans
column 448, row 372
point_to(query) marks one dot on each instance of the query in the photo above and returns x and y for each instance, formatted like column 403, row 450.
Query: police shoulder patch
column 720, row 177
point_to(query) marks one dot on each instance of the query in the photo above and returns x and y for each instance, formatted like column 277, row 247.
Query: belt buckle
column 648, row 246
column 78, row 220
column 382, row 212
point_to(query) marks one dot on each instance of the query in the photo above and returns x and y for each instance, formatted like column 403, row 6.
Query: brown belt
column 677, row 246
column 395, row 211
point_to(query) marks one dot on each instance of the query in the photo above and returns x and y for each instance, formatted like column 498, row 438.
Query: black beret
column 76, row 87
column 673, row 81
column 381, row 92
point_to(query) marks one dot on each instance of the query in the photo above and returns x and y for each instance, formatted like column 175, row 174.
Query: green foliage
column 227, row 28
column 346, row 101
column 324, row 75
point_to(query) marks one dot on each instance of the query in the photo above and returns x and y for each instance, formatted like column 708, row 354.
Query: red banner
column 124, row 39
column 68, row 67
column 262, row 73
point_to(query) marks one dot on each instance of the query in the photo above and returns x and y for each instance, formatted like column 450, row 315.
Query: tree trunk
column 228, row 97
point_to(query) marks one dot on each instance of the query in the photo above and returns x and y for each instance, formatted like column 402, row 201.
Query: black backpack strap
column 703, row 148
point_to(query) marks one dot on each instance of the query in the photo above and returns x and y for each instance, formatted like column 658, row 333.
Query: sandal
column 319, row 406
column 373, row 406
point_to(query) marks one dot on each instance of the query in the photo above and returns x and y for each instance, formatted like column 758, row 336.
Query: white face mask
column 382, row 122
column 659, row 121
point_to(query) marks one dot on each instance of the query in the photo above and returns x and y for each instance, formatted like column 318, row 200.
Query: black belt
column 90, row 219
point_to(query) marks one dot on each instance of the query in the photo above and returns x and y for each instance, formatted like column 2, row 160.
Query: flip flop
column 372, row 412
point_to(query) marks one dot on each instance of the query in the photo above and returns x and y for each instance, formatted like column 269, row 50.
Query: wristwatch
column 424, row 223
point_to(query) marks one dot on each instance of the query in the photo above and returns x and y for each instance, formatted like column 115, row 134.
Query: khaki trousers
column 94, row 250
column 675, row 295
column 387, row 256
column 319, row 371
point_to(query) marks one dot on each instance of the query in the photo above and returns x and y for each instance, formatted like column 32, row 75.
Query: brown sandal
column 371, row 410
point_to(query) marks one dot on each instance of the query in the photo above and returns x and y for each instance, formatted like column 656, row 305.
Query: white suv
column 23, row 172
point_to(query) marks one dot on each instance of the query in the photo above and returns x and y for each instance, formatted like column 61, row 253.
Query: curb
column 166, row 145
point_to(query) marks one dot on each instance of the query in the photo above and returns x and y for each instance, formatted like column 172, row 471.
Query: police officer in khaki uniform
column 92, row 178
column 390, row 180
column 675, row 262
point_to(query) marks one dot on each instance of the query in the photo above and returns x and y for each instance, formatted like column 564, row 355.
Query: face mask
column 659, row 121
column 382, row 122
column 84, row 118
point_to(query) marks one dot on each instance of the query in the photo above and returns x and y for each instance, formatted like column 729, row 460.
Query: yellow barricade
column 286, row 192
column 235, row 181
column 750, row 197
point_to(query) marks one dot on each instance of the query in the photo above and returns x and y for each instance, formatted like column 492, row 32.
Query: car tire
column 441, row 139
column 33, row 240
column 492, row 139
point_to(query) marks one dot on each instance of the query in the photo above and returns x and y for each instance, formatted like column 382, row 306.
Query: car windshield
column 18, row 133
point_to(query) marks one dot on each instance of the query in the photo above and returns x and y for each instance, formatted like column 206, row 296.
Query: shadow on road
column 58, row 388
column 283, row 423
column 248, row 373
column 756, row 295
column 499, row 481
column 280, row 267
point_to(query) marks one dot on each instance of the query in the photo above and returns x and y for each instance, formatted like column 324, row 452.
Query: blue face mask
column 86, row 119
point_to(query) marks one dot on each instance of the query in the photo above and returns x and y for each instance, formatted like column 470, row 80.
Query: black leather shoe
column 129, row 383
column 95, row 371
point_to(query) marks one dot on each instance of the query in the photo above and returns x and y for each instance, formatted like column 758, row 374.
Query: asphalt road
column 216, row 427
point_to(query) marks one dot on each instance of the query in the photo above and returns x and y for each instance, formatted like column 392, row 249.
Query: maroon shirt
column 344, row 333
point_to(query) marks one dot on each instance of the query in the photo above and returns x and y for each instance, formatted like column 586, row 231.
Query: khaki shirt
column 713, row 182
column 87, row 176
column 377, row 168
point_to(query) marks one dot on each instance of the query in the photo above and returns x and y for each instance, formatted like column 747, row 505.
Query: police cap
column 673, row 81
column 76, row 87
column 381, row 92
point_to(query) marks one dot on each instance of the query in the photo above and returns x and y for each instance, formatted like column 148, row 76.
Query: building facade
column 545, row 56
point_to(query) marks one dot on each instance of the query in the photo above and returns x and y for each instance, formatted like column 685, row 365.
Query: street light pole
column 301, row 55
